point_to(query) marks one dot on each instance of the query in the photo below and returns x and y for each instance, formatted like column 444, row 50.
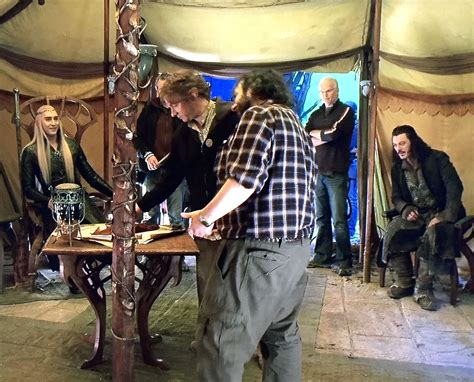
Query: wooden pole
column 371, row 141
column 106, row 91
column 124, row 179
column 20, row 268
column 362, row 145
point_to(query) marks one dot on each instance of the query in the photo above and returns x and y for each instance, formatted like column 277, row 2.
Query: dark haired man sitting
column 426, row 191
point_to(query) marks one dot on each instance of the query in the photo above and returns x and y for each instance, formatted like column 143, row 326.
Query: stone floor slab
column 333, row 332
column 316, row 277
column 358, row 292
column 466, row 305
column 308, row 334
column 446, row 348
column 333, row 301
column 379, row 320
column 389, row 348
column 446, row 319
column 309, row 317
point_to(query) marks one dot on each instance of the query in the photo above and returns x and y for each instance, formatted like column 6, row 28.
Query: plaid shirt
column 271, row 153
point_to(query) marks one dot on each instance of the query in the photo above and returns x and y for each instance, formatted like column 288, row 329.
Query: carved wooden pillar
column 125, row 78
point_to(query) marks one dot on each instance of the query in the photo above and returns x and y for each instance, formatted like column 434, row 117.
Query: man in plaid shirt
column 264, row 212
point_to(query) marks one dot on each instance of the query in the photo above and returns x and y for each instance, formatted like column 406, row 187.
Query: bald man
column 331, row 128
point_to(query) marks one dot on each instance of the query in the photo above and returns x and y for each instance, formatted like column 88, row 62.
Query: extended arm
column 230, row 196
column 170, row 179
column 88, row 173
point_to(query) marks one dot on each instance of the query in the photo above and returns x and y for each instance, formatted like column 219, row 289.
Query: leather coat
column 31, row 175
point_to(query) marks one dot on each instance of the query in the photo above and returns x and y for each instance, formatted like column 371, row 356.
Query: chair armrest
column 33, row 210
column 100, row 196
column 464, row 223
column 390, row 214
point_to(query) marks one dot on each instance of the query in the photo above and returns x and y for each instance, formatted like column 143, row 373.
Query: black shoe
column 314, row 263
column 397, row 292
column 342, row 271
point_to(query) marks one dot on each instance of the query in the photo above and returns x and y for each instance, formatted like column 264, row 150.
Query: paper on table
column 87, row 231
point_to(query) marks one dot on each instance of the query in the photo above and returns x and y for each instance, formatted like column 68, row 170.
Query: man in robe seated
column 426, row 192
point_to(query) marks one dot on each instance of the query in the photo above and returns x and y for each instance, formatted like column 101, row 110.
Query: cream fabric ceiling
column 289, row 32
column 233, row 32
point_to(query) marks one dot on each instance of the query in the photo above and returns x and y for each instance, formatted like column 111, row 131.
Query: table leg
column 84, row 271
column 157, row 272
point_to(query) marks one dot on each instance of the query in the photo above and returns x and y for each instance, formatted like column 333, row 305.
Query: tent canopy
column 418, row 54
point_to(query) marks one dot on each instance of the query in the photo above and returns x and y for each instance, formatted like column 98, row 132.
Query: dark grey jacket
column 443, row 182
column 194, row 161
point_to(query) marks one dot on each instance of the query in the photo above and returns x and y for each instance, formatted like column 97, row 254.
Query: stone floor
column 350, row 331
column 360, row 321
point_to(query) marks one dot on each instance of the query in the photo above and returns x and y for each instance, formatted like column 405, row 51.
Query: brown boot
column 401, row 263
column 426, row 299
column 398, row 292
column 424, row 288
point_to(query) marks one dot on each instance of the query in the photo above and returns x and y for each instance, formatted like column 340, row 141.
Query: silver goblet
column 68, row 201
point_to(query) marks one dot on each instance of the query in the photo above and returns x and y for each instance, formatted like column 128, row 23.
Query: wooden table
column 83, row 261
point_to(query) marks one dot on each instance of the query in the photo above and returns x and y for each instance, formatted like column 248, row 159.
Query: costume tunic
column 444, row 190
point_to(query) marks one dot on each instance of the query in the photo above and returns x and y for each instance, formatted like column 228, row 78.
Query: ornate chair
column 465, row 229
column 9, row 212
column 76, row 117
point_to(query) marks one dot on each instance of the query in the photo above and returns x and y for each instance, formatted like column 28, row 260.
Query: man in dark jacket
column 207, row 125
column 155, row 128
column 331, row 130
column 426, row 191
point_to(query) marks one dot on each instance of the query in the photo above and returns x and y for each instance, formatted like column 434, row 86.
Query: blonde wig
column 43, row 148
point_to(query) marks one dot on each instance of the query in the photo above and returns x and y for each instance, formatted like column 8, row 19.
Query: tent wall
column 35, row 84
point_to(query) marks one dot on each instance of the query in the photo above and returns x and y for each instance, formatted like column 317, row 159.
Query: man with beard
column 264, row 211
column 207, row 124
column 426, row 191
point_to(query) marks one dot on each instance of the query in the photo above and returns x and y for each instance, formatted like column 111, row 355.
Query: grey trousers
column 205, row 262
column 253, row 295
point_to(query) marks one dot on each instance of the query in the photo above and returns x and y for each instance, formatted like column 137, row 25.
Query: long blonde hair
column 43, row 147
